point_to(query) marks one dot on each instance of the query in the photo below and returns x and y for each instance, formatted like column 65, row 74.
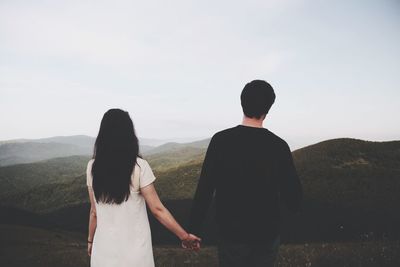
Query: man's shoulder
column 232, row 131
column 223, row 134
column 278, row 140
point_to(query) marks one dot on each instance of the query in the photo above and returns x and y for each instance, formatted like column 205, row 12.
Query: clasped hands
column 191, row 242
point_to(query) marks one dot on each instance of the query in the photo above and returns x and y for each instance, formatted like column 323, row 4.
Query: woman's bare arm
column 92, row 220
column 164, row 216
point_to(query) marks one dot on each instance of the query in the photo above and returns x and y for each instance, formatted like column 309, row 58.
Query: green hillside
column 350, row 191
column 171, row 156
column 24, row 177
column 63, row 180
column 170, row 160
column 67, row 192
column 179, row 182
column 349, row 172
column 175, row 183
column 355, row 173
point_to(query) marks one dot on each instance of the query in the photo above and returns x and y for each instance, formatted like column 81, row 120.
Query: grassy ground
column 26, row 246
column 360, row 254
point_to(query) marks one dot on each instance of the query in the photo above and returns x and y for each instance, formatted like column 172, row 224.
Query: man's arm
column 290, row 186
column 205, row 190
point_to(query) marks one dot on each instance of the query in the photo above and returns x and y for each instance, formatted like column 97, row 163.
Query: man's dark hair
column 257, row 98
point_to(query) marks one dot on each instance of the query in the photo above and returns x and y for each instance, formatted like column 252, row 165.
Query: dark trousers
column 248, row 255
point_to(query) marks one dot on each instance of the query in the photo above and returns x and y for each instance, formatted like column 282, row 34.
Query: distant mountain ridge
column 17, row 151
column 32, row 150
column 174, row 146
column 27, row 152
column 82, row 140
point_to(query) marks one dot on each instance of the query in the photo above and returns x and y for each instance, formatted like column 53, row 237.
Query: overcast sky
column 178, row 67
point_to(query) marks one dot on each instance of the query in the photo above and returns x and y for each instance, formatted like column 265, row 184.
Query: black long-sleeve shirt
column 250, row 170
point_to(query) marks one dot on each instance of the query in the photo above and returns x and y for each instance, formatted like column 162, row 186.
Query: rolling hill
column 351, row 189
column 345, row 171
column 62, row 180
column 166, row 160
column 356, row 173
column 22, row 177
column 172, row 156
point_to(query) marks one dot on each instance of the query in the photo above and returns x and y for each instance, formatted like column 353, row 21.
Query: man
column 250, row 170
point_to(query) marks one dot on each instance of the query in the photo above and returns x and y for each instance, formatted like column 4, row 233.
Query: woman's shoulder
column 142, row 162
column 89, row 177
column 146, row 173
column 89, row 164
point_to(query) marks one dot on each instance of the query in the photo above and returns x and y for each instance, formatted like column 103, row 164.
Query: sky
column 178, row 67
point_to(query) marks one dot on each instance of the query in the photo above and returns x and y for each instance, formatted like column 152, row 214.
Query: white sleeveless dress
column 122, row 237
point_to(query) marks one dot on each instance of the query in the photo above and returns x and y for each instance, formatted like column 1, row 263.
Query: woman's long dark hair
column 115, row 152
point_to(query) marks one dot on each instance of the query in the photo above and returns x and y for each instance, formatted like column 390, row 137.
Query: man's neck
column 252, row 122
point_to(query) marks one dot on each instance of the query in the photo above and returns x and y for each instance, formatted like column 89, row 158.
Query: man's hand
column 191, row 242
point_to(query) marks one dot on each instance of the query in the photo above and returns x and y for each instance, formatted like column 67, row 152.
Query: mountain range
column 18, row 151
column 351, row 190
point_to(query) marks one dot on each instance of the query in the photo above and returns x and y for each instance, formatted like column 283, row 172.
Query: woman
column 120, row 184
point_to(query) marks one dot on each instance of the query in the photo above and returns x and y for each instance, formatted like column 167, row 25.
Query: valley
column 350, row 208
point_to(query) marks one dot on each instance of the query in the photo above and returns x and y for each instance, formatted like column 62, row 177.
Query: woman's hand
column 191, row 242
column 89, row 249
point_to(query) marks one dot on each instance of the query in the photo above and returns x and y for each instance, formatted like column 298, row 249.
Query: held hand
column 191, row 242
